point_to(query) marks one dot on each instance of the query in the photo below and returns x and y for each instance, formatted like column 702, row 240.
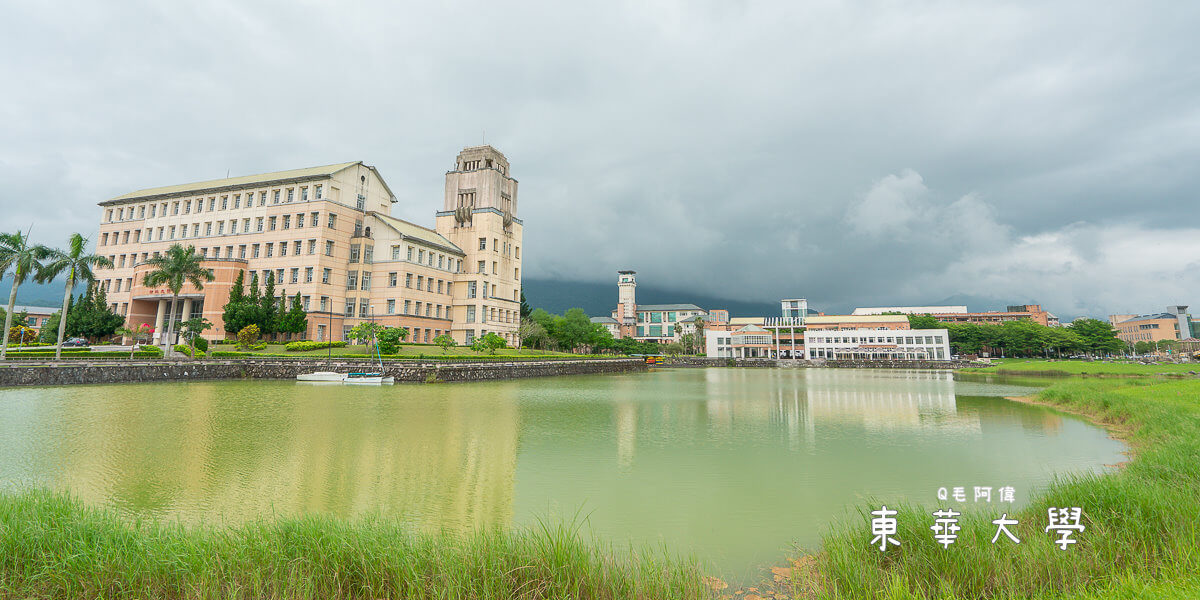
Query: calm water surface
column 733, row 465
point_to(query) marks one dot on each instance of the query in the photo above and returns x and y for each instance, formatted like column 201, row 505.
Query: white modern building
column 878, row 344
column 750, row 341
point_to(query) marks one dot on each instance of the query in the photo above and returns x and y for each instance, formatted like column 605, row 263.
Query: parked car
column 75, row 342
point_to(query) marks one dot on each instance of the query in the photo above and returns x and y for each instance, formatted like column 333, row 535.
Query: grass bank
column 1025, row 366
column 1143, row 532
column 51, row 546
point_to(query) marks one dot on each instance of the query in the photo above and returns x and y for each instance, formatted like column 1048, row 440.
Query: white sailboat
column 352, row 378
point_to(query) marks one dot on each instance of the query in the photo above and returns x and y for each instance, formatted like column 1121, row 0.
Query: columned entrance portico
column 159, row 320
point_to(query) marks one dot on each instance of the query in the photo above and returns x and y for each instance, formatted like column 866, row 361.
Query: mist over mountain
column 599, row 299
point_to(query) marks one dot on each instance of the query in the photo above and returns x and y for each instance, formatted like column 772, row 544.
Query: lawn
column 1142, row 530
column 1027, row 366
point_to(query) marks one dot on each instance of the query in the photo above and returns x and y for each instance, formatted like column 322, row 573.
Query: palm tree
column 178, row 266
column 24, row 259
column 78, row 266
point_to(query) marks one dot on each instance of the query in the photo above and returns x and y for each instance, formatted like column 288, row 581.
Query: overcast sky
column 854, row 153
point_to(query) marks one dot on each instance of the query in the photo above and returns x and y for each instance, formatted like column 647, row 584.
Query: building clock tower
column 479, row 215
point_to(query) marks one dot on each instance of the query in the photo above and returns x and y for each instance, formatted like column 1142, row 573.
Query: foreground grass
column 1027, row 366
column 51, row 546
column 1143, row 532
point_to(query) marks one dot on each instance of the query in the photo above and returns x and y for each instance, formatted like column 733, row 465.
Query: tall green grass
column 1023, row 366
column 1143, row 522
column 51, row 546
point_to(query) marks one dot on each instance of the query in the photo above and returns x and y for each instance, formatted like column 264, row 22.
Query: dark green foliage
column 302, row 346
column 389, row 339
column 91, row 317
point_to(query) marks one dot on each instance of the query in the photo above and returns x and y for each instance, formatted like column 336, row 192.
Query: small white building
column 750, row 341
column 610, row 324
column 878, row 344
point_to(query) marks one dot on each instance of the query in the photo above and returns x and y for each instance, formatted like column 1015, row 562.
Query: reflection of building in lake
column 894, row 400
column 200, row 451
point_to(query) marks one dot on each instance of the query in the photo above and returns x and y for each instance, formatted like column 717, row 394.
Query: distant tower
column 479, row 215
column 626, row 313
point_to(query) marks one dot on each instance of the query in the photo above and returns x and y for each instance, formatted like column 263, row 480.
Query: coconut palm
column 24, row 259
column 78, row 265
column 178, row 266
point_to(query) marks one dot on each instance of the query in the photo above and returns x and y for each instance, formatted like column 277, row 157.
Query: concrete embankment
column 78, row 372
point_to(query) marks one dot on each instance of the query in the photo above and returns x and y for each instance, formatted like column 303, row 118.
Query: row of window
column 669, row 316
column 224, row 202
column 210, row 228
column 491, row 314
column 907, row 340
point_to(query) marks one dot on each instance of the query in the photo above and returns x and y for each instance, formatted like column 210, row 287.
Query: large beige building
column 326, row 233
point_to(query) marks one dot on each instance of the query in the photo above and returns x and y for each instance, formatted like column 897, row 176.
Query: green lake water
column 734, row 466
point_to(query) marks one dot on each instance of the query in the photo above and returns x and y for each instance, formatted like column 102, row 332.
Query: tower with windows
column 626, row 313
column 479, row 215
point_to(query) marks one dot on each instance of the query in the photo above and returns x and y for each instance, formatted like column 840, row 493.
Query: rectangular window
column 315, row 219
column 332, row 221
column 391, row 307
column 352, row 280
column 254, row 251
column 408, row 280
column 237, row 200
column 317, row 192
column 410, row 252
column 270, row 250
column 295, row 274
column 275, row 198
column 366, row 280
column 354, row 250
column 308, row 274
column 258, row 224
column 325, row 274
column 363, row 309
column 482, row 267
column 312, row 246
column 306, row 303
column 304, row 194
column 299, row 220
column 328, row 248
column 392, row 278
column 287, row 221
column 291, row 194
column 470, row 289
column 349, row 304
column 483, row 243
column 271, row 224
column 242, row 251
column 407, row 306
column 471, row 313
column 368, row 255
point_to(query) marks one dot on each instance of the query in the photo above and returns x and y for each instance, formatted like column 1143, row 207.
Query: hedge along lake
column 733, row 466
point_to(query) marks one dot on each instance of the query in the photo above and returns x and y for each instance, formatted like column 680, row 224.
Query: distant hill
column 599, row 299
column 33, row 294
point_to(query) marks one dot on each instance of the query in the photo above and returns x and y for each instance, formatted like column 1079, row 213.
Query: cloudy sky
column 854, row 153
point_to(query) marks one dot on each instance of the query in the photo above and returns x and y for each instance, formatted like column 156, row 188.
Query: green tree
column 46, row 334
column 234, row 314
column 268, row 320
column 1143, row 347
column 248, row 337
column 445, row 341
column 489, row 343
column 76, row 265
column 925, row 321
column 1096, row 336
column 674, row 349
column 295, row 320
column 525, row 310
column 572, row 329
column 25, row 261
column 389, row 339
column 366, row 332
column 178, row 266
column 193, row 328
column 532, row 334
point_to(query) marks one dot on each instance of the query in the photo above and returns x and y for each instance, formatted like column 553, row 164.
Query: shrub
column 248, row 336
column 259, row 346
column 389, row 338
column 201, row 344
column 305, row 346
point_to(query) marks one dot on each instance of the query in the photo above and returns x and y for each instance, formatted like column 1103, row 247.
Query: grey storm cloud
column 854, row 153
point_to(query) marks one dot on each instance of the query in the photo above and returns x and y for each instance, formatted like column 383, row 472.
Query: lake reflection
column 734, row 465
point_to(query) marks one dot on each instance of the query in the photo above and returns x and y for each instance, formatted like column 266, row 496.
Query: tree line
column 1026, row 338
column 270, row 313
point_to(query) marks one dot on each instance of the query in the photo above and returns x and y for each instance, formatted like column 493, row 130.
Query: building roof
column 660, row 307
column 825, row 319
column 245, row 180
column 1153, row 317
column 746, row 320
column 36, row 310
column 414, row 231
column 604, row 320
column 752, row 328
